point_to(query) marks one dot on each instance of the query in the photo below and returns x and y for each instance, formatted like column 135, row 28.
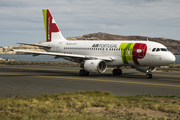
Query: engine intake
column 95, row 66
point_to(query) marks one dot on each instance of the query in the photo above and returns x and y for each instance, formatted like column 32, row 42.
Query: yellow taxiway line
column 97, row 80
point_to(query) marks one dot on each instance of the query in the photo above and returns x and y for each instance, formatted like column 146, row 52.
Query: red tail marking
column 51, row 27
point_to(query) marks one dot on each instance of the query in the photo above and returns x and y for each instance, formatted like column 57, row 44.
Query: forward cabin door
column 142, row 50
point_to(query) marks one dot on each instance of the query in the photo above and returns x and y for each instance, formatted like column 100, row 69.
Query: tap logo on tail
column 132, row 52
column 49, row 24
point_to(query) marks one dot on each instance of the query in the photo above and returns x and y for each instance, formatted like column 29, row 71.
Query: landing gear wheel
column 148, row 76
column 117, row 72
column 82, row 72
column 86, row 73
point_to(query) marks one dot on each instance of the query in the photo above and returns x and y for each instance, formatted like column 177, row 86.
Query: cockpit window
column 153, row 49
column 164, row 49
column 158, row 49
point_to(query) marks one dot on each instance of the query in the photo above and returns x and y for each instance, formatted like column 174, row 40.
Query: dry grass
column 90, row 105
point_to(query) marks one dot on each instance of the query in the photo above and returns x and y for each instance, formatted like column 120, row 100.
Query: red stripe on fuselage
column 136, row 55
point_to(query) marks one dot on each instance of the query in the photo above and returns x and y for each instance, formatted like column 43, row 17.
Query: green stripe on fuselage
column 126, row 52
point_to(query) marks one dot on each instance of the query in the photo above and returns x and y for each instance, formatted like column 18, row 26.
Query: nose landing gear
column 148, row 75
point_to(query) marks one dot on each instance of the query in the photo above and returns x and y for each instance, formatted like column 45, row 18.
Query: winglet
column 52, row 31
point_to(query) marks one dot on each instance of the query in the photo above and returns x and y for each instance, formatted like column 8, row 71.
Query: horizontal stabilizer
column 34, row 45
column 6, row 49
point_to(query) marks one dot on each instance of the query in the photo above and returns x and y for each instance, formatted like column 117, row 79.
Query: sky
column 22, row 20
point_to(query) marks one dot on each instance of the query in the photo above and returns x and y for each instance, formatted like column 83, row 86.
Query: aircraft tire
column 119, row 72
column 115, row 72
column 86, row 73
column 82, row 72
column 148, row 76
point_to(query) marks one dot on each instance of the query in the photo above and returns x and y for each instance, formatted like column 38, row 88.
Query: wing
column 35, row 53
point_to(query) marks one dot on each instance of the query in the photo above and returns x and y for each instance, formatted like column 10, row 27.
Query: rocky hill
column 22, row 47
column 172, row 45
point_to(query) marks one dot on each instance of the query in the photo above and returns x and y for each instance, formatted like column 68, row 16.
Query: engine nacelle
column 145, row 69
column 95, row 66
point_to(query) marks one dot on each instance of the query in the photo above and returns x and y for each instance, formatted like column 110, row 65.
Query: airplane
column 97, row 56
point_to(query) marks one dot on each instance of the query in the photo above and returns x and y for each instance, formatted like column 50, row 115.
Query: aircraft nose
column 171, row 58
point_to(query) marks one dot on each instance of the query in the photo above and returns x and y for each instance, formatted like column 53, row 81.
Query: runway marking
column 168, row 80
column 113, row 81
column 10, row 74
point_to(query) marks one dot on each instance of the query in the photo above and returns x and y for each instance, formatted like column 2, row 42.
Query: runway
column 36, row 80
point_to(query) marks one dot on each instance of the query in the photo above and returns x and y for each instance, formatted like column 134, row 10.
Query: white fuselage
column 123, row 53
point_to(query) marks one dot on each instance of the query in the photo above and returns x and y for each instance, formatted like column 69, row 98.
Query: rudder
column 52, row 31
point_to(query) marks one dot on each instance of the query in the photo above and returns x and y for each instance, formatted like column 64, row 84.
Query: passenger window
column 153, row 49
column 158, row 49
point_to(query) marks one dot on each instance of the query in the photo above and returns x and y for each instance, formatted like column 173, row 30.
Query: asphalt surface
column 36, row 80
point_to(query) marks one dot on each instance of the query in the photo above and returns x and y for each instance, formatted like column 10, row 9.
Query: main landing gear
column 117, row 71
column 83, row 72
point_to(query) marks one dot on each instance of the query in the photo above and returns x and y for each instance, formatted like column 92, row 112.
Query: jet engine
column 145, row 69
column 95, row 66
